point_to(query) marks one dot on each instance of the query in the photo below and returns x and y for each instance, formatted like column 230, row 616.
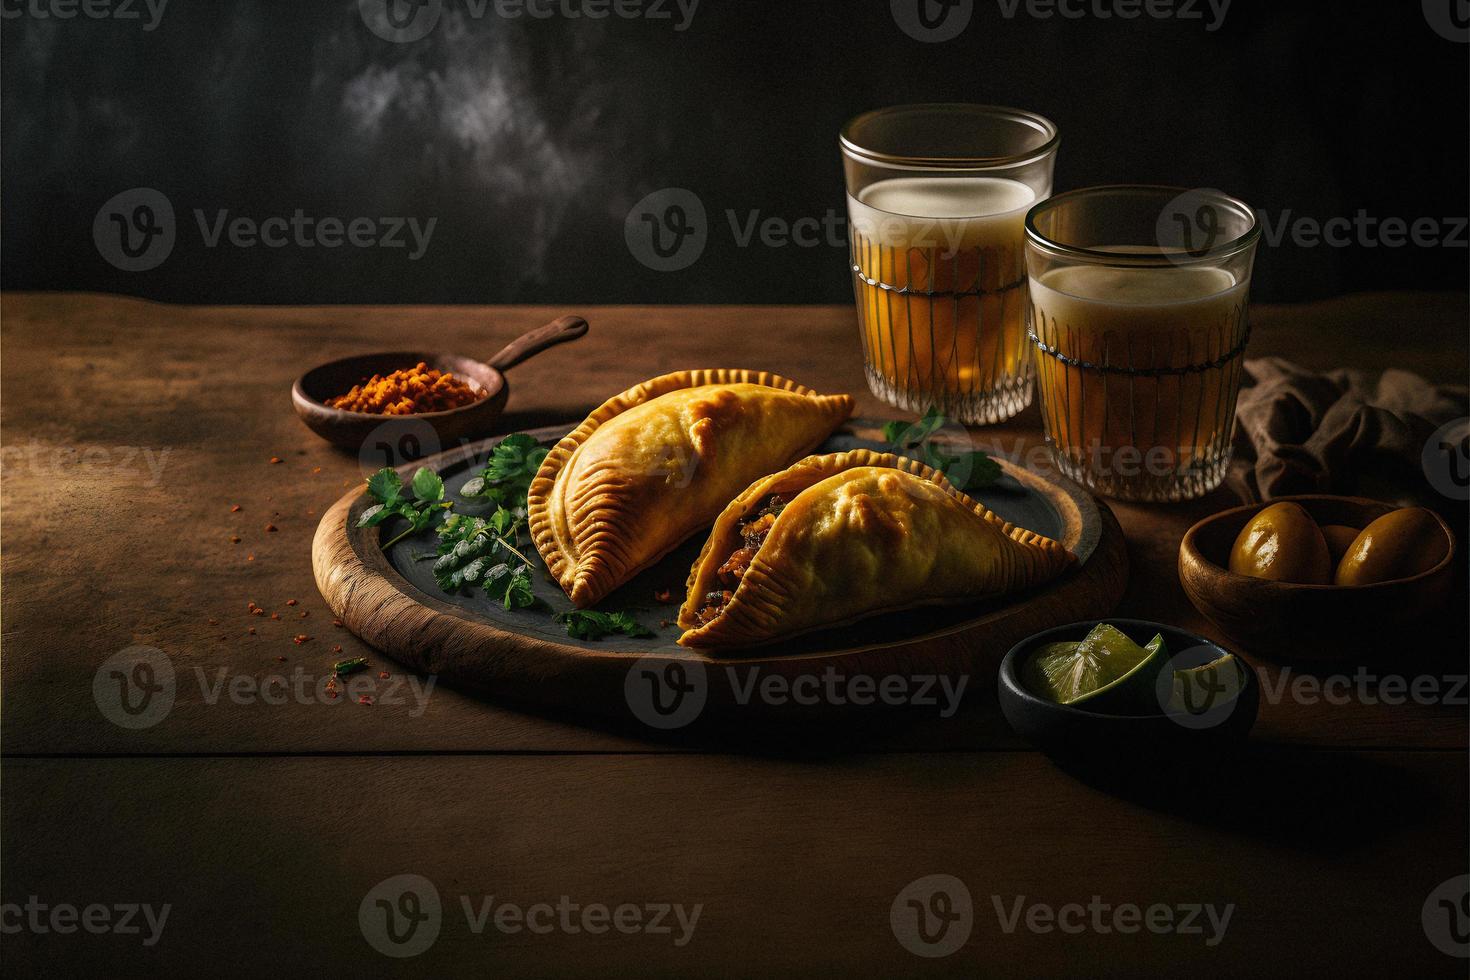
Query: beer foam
column 942, row 212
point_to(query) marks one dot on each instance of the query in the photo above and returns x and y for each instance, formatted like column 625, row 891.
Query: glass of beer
column 937, row 197
column 1138, row 318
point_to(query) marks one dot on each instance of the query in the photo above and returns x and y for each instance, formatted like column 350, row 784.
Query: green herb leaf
column 508, row 473
column 344, row 667
column 512, row 586
column 375, row 515
column 587, row 624
column 968, row 471
column 427, row 486
column 385, row 486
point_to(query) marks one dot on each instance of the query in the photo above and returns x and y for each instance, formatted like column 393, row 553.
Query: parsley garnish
column 484, row 552
column 507, row 475
column 587, row 624
column 420, row 503
column 475, row 551
column 968, row 470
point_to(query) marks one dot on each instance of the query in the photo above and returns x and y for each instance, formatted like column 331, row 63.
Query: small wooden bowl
column 1313, row 623
column 407, row 437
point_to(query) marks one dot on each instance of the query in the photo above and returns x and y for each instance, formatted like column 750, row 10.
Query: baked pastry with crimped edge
column 892, row 514
column 653, row 465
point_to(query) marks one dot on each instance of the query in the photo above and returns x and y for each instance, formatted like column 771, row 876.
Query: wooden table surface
column 264, row 813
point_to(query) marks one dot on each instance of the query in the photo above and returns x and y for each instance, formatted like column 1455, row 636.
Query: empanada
column 837, row 538
column 660, row 461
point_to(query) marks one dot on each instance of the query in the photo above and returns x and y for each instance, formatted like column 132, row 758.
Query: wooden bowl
column 394, row 439
column 1313, row 623
column 1104, row 740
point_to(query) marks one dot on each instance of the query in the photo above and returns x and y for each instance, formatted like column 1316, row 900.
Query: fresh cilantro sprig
column 485, row 552
column 506, row 476
column 969, row 470
column 588, row 624
column 475, row 551
column 420, row 503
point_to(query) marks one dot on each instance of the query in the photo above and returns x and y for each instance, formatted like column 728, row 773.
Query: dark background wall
column 529, row 140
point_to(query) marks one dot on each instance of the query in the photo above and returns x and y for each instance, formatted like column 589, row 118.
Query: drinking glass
column 936, row 200
column 1138, row 316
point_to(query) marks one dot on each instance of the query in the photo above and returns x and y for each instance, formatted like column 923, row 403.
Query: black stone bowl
column 1111, row 740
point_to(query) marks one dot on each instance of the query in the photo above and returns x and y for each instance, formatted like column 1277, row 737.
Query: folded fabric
column 1341, row 432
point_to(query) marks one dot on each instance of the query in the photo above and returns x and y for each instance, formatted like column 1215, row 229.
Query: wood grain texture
column 120, row 470
column 431, row 635
column 1326, row 857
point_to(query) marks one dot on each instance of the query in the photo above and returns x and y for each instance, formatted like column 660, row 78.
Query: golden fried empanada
column 836, row 538
column 660, row 461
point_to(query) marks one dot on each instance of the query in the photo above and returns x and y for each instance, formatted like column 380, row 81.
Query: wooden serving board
column 392, row 602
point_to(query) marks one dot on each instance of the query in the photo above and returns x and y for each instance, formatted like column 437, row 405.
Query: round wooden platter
column 391, row 601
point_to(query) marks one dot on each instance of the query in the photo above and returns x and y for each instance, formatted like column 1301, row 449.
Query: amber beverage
column 1139, row 346
column 937, row 199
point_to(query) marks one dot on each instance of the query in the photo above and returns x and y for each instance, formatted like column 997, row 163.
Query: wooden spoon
column 394, row 439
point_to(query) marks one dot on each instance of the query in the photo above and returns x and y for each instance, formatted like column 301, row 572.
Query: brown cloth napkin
column 1341, row 432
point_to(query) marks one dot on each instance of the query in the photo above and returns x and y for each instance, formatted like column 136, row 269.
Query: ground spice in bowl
column 409, row 392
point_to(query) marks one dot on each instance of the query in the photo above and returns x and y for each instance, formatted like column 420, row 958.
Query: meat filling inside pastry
column 834, row 539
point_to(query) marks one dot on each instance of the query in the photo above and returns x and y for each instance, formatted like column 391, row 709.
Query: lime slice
column 1106, row 671
column 1199, row 689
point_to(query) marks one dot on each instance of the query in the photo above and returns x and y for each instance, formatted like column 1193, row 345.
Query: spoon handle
column 535, row 341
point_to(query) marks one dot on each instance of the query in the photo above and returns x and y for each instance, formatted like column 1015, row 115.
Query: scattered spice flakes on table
column 365, row 699
column 234, row 539
column 271, row 528
column 300, row 638
column 276, row 616
column 252, row 631
column 235, row 509
column 290, row 602
column 276, row 459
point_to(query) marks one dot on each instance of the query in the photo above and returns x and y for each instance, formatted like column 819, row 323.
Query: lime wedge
column 1199, row 689
column 1105, row 672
